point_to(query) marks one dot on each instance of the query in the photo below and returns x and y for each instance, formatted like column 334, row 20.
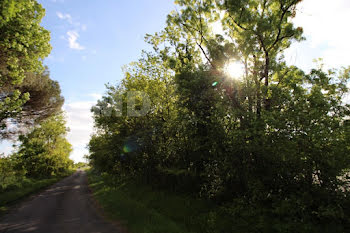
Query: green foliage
column 29, row 102
column 80, row 165
column 45, row 101
column 24, row 43
column 271, row 147
column 10, row 176
column 15, row 185
column 45, row 97
column 143, row 209
column 44, row 152
column 135, row 134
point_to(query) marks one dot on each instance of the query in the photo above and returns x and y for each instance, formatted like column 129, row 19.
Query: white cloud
column 6, row 147
column 67, row 17
column 73, row 35
column 324, row 27
column 80, row 122
column 72, row 39
column 96, row 96
column 347, row 99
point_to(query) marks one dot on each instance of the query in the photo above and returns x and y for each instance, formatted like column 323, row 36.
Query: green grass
column 23, row 190
column 145, row 210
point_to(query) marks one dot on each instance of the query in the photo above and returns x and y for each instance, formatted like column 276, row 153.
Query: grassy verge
column 23, row 190
column 144, row 210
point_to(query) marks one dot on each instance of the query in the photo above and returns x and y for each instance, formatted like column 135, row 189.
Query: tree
column 135, row 134
column 273, row 143
column 45, row 100
column 24, row 43
column 44, row 151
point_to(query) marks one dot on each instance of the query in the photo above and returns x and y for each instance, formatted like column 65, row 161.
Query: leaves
column 45, row 151
column 24, row 43
column 275, row 142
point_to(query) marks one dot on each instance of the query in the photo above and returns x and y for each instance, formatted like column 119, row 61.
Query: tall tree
column 24, row 43
column 45, row 100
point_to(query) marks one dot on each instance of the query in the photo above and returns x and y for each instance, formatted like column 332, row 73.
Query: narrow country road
column 65, row 207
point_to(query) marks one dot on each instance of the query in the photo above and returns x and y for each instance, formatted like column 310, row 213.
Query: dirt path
column 65, row 207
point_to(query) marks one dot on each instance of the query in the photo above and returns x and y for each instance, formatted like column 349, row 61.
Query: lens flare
column 131, row 145
column 234, row 70
column 127, row 149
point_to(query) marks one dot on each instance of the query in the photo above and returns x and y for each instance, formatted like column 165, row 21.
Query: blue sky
column 93, row 39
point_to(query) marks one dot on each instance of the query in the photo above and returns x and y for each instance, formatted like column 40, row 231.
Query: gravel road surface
column 65, row 207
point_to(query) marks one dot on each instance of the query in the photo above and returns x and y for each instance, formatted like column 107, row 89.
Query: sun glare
column 234, row 70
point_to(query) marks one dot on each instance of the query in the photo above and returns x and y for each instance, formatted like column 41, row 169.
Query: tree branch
column 284, row 12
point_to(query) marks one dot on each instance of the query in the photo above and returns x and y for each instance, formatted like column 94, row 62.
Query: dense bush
column 10, row 176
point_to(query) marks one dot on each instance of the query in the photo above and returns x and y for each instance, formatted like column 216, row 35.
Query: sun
column 234, row 70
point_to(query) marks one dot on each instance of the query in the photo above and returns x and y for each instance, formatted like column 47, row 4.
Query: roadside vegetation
column 142, row 208
column 81, row 166
column 30, row 105
column 41, row 159
column 269, row 145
